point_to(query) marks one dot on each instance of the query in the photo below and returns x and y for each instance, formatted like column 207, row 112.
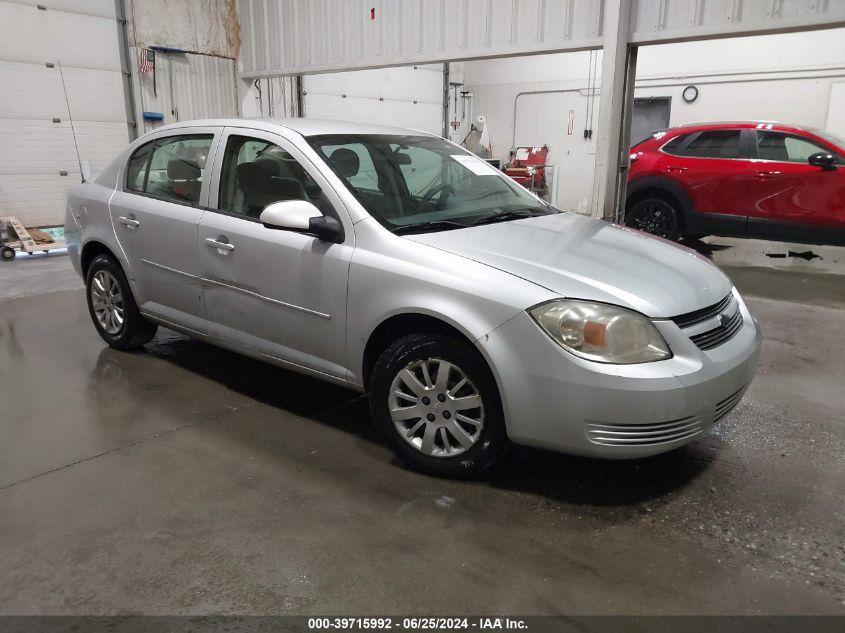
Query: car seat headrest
column 183, row 169
column 345, row 162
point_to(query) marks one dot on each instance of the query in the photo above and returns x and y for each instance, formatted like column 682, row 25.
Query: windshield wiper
column 434, row 225
column 504, row 216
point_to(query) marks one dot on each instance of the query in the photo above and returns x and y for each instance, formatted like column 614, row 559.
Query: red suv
column 752, row 179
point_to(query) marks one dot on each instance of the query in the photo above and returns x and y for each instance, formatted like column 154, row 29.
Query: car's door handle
column 130, row 222
column 765, row 175
column 672, row 168
column 220, row 243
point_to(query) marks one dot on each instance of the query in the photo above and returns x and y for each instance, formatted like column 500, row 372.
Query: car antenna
column 70, row 118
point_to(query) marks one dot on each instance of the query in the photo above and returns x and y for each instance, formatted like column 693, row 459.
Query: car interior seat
column 261, row 186
column 183, row 179
column 772, row 147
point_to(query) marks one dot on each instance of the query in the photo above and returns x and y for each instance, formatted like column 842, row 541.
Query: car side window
column 672, row 146
column 257, row 173
column 171, row 168
column 713, row 144
column 785, row 147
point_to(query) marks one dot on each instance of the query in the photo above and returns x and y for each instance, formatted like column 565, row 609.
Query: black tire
column 7, row 253
column 657, row 215
column 135, row 330
column 432, row 348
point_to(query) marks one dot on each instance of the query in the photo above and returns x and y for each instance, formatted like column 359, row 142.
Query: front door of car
column 789, row 190
column 273, row 291
column 155, row 212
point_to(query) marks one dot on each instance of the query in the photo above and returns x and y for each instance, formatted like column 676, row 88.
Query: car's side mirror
column 301, row 216
column 823, row 160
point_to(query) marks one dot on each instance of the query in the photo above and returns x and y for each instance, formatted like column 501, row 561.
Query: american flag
column 148, row 61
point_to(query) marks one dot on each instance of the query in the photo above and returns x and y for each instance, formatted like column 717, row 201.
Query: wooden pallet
column 25, row 241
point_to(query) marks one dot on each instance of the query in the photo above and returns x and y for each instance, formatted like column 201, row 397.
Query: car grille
column 718, row 335
column 643, row 434
column 724, row 407
column 699, row 316
column 714, row 337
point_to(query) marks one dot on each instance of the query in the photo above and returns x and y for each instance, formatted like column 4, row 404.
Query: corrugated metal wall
column 675, row 20
column 282, row 37
column 290, row 36
column 187, row 86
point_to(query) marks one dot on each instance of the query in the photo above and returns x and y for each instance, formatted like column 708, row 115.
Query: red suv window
column 708, row 144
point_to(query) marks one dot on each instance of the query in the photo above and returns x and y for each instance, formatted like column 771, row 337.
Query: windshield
column 423, row 182
column 830, row 138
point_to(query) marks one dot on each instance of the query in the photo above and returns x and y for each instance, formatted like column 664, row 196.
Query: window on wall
column 257, row 173
column 714, row 144
column 171, row 168
column 785, row 147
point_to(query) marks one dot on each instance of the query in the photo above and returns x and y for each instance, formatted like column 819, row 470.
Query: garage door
column 408, row 96
column 74, row 40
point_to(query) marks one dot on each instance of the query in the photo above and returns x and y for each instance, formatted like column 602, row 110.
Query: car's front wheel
column 435, row 402
column 656, row 215
column 112, row 306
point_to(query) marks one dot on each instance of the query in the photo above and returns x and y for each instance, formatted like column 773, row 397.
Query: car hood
column 583, row 258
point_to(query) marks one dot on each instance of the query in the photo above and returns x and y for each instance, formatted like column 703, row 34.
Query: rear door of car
column 789, row 191
column 272, row 291
column 155, row 212
column 713, row 166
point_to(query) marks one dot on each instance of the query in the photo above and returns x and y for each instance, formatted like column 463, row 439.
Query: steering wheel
column 438, row 189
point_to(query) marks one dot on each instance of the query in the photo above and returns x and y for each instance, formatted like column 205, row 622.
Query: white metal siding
column 81, row 35
column 283, row 37
column 203, row 87
column 410, row 96
column 290, row 36
column 675, row 20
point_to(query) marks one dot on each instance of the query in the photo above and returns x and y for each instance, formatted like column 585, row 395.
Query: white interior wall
column 789, row 77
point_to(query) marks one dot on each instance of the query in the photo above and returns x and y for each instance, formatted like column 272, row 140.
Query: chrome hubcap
column 107, row 301
column 436, row 408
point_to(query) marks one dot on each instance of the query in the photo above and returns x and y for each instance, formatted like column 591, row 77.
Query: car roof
column 711, row 125
column 305, row 127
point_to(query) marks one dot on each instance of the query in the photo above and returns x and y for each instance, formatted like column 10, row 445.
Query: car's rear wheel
column 435, row 402
column 112, row 306
column 656, row 215
column 7, row 253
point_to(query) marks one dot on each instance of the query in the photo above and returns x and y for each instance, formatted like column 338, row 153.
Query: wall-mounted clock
column 690, row 94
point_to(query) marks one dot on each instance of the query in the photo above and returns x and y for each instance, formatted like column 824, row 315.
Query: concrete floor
column 188, row 480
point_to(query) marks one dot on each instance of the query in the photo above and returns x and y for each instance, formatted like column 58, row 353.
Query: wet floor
column 186, row 479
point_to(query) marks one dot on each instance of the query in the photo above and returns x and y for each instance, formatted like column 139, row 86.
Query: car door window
column 257, row 173
column 713, row 144
column 170, row 168
column 785, row 147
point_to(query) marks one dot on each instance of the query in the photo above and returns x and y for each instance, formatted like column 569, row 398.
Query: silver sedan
column 396, row 263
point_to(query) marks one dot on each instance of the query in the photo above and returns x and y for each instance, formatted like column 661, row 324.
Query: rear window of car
column 170, row 168
column 710, row 144
column 672, row 146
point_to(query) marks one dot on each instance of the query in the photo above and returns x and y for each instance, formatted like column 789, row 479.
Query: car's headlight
column 601, row 332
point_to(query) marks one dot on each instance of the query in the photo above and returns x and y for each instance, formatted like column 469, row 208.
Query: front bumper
column 553, row 399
